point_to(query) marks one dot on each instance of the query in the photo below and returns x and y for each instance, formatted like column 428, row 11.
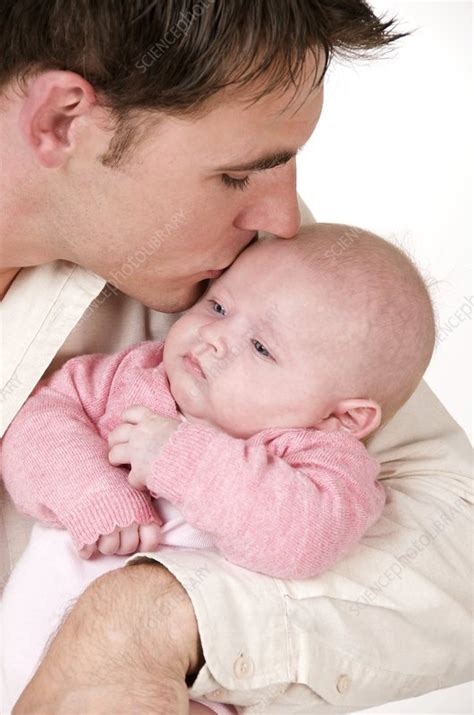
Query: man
column 147, row 145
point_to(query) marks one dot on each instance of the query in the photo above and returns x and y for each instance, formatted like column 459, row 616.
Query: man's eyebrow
column 268, row 161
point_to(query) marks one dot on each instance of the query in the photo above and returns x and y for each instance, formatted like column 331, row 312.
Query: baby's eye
column 217, row 307
column 260, row 349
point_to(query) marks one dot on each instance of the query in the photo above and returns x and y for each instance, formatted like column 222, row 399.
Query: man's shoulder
column 112, row 322
column 423, row 439
column 58, row 311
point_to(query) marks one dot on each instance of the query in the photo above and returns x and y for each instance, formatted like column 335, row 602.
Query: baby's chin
column 194, row 405
column 196, row 414
column 189, row 402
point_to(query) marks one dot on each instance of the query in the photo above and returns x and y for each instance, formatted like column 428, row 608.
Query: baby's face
column 249, row 355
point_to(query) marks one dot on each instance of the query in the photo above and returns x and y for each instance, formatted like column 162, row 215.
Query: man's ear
column 53, row 102
column 360, row 417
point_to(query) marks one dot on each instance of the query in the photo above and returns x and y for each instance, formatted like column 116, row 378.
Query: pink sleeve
column 55, row 462
column 288, row 504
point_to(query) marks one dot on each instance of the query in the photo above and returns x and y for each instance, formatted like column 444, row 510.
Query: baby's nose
column 213, row 338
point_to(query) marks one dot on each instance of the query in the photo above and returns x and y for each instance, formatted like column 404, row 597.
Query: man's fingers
column 150, row 537
column 109, row 544
column 119, row 455
column 129, row 540
column 120, row 434
column 135, row 414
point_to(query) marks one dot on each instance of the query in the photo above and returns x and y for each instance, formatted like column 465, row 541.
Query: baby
column 245, row 430
column 249, row 419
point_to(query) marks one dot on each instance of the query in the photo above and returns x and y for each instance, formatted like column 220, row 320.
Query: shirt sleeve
column 55, row 462
column 287, row 504
column 391, row 621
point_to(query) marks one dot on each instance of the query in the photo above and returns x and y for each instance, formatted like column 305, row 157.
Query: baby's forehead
column 274, row 272
column 304, row 279
column 281, row 286
column 340, row 268
column 275, row 260
column 328, row 256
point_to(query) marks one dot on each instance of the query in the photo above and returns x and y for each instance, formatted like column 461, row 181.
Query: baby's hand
column 125, row 540
column 138, row 440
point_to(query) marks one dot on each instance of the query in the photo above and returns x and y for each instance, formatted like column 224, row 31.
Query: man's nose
column 274, row 209
column 213, row 339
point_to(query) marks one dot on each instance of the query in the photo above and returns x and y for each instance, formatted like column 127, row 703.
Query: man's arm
column 391, row 621
column 130, row 642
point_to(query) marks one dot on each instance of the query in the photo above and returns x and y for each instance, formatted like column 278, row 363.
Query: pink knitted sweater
column 286, row 502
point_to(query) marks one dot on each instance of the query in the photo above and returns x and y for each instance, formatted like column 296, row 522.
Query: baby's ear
column 360, row 417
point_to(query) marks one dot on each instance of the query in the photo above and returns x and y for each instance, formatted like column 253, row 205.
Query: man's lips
column 212, row 274
column 193, row 365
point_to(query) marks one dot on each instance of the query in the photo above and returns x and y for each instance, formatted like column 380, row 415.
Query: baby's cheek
column 234, row 411
column 172, row 340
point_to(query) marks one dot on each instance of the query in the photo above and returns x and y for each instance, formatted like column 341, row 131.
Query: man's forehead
column 261, row 137
column 293, row 104
column 287, row 97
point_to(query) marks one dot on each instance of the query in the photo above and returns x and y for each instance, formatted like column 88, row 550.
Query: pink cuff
column 101, row 513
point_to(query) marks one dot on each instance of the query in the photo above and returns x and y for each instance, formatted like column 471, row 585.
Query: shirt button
column 243, row 667
column 343, row 684
column 216, row 693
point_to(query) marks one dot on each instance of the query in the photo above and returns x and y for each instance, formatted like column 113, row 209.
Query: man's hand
column 125, row 540
column 126, row 647
column 138, row 440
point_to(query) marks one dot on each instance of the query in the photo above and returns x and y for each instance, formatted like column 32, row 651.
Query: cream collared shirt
column 392, row 620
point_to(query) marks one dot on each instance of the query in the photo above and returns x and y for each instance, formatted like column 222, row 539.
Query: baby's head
column 331, row 330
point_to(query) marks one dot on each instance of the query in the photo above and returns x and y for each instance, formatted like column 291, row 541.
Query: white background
column 392, row 153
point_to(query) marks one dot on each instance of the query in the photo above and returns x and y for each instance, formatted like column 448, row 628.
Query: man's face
column 179, row 209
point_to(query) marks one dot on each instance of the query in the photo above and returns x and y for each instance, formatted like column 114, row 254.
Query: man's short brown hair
column 174, row 55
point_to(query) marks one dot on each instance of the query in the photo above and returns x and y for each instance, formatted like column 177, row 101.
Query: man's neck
column 25, row 227
column 21, row 245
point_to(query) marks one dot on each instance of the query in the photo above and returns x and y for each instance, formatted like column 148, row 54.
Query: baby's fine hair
column 373, row 281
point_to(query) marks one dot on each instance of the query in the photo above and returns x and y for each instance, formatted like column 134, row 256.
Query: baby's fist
column 138, row 441
column 125, row 540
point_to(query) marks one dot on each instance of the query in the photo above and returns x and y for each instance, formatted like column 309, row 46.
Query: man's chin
column 175, row 301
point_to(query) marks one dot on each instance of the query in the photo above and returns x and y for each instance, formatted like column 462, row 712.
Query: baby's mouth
column 192, row 365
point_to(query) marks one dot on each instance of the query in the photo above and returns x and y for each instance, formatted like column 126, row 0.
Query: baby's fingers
column 109, row 544
column 150, row 537
column 136, row 481
column 129, row 539
column 87, row 551
column 125, row 540
column 120, row 434
column 119, row 455
column 135, row 414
